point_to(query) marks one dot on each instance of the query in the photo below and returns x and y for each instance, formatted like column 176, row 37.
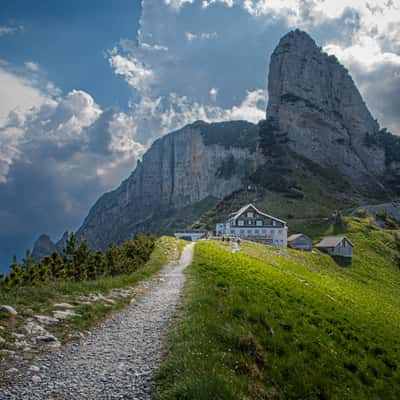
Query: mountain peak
column 319, row 108
column 43, row 247
column 297, row 37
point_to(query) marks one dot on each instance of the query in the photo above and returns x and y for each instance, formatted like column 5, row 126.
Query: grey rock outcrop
column 392, row 210
column 198, row 162
column 318, row 108
column 43, row 247
column 8, row 309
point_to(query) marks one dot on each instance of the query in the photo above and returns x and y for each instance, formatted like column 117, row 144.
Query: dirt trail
column 118, row 359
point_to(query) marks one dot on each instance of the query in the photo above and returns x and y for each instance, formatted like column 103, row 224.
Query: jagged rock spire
column 319, row 107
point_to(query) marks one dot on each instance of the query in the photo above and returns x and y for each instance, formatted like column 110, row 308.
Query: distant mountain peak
column 43, row 247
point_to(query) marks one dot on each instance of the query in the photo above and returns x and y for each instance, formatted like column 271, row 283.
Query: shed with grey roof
column 299, row 241
column 336, row 246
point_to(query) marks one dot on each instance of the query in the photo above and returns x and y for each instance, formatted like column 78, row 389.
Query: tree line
column 77, row 263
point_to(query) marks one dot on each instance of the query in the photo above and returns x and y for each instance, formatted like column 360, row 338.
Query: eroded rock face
column 180, row 169
column 43, row 247
column 317, row 106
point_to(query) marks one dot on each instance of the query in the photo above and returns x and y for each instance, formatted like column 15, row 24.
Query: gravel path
column 118, row 359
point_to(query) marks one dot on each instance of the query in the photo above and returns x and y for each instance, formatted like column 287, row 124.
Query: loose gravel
column 118, row 359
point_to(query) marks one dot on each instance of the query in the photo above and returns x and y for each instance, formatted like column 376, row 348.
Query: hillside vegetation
column 91, row 300
column 270, row 323
column 294, row 189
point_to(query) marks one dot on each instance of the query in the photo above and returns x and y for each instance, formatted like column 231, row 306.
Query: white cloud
column 163, row 115
column 123, row 129
column 56, row 123
column 34, row 67
column 178, row 4
column 17, row 92
column 135, row 72
column 252, row 108
column 365, row 51
column 228, row 3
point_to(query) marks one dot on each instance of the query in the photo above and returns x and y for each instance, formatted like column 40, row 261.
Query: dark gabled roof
column 295, row 236
column 332, row 241
column 243, row 209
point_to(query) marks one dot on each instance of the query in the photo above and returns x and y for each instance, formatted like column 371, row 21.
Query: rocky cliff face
column 43, row 247
column 180, row 169
column 316, row 106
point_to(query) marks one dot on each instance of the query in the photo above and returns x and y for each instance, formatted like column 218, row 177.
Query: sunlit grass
column 269, row 323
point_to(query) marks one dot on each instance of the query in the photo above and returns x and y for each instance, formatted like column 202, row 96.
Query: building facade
column 252, row 224
column 299, row 241
column 336, row 246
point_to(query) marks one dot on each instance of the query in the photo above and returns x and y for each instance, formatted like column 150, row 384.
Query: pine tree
column 29, row 270
column 15, row 274
column 69, row 257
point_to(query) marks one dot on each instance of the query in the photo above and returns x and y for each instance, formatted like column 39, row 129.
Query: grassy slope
column 40, row 299
column 269, row 323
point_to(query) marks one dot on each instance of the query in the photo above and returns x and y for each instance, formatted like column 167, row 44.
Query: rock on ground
column 8, row 309
column 119, row 358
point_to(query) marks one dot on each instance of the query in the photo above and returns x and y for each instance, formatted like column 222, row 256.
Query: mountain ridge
column 314, row 111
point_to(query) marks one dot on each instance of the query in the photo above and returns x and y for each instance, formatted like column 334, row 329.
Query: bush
column 361, row 213
column 78, row 263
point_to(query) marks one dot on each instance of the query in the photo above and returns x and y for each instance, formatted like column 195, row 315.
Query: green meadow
column 270, row 323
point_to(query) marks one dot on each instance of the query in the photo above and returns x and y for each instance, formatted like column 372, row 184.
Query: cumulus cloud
column 133, row 70
column 17, row 92
column 56, row 159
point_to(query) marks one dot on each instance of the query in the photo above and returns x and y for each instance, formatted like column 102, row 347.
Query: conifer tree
column 15, row 274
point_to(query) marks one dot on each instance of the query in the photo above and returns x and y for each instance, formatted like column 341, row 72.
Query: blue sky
column 68, row 40
column 86, row 86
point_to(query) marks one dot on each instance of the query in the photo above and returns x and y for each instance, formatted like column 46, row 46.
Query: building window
column 259, row 222
column 250, row 214
column 241, row 223
column 249, row 231
column 256, row 231
column 249, row 222
column 233, row 231
column 280, row 231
